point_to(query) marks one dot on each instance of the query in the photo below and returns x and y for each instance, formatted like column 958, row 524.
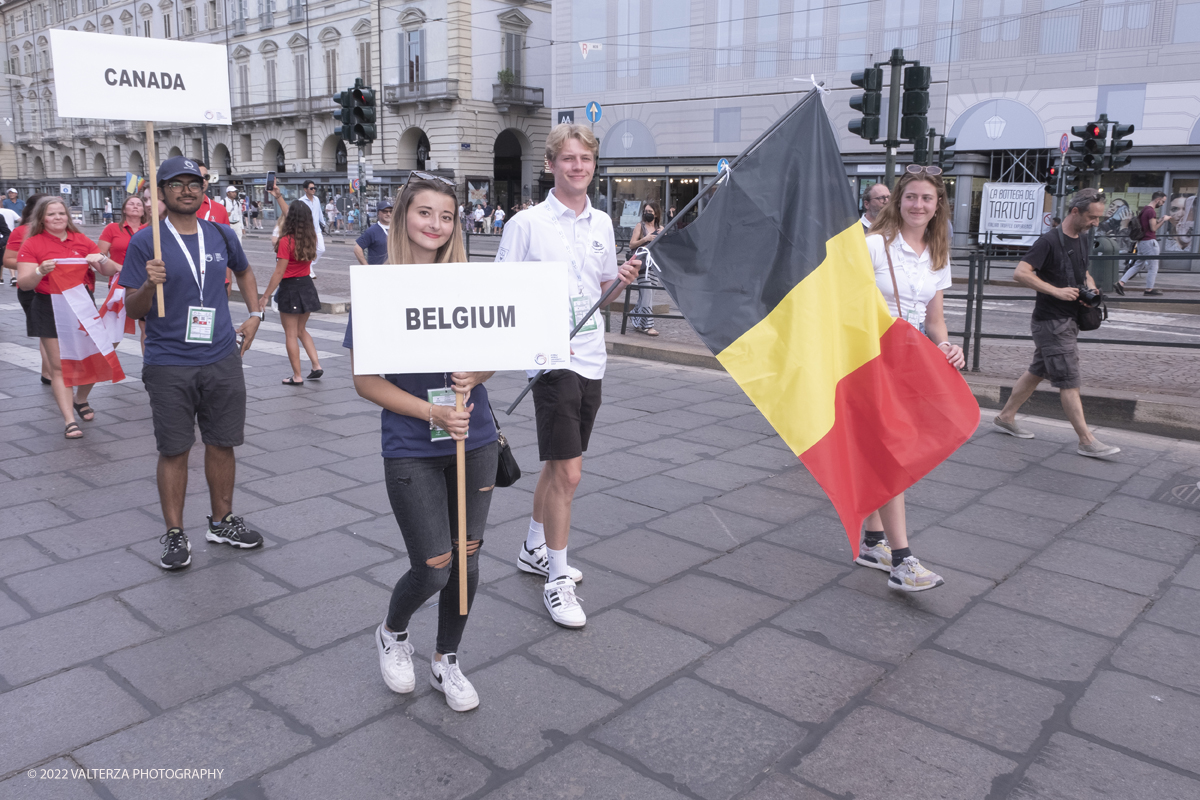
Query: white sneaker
column 447, row 678
column 395, row 661
column 877, row 557
column 910, row 576
column 563, row 605
column 536, row 562
column 1097, row 449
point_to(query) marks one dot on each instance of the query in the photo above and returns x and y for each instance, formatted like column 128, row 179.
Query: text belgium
column 462, row 317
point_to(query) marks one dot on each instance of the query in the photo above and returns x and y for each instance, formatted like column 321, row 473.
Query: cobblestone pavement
column 732, row 650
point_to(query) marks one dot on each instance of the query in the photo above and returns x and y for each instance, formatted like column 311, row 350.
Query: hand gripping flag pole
column 151, row 160
column 616, row 284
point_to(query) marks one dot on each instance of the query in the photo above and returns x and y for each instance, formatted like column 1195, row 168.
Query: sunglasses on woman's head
column 426, row 176
column 917, row 169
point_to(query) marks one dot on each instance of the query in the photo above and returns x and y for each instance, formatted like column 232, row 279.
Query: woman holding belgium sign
column 420, row 431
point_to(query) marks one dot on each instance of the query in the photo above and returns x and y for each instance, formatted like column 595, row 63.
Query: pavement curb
column 1162, row 415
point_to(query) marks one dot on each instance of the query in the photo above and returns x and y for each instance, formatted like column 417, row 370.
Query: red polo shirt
column 295, row 269
column 46, row 246
column 16, row 237
column 118, row 235
column 213, row 212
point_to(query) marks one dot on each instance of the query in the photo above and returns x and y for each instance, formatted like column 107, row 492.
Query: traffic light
column 1119, row 145
column 345, row 116
column 362, row 108
column 946, row 154
column 921, row 151
column 1052, row 176
column 869, row 103
column 1091, row 150
column 1070, row 179
column 915, row 104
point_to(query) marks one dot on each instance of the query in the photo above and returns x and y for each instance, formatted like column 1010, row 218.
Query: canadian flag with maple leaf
column 112, row 313
column 85, row 343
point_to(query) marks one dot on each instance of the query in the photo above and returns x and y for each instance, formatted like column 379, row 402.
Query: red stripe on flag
column 93, row 368
column 869, row 457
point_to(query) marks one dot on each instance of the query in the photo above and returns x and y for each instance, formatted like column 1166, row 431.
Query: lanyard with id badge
column 201, row 320
column 441, row 397
column 582, row 302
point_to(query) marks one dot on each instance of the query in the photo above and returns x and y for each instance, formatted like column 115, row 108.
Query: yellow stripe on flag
column 826, row 327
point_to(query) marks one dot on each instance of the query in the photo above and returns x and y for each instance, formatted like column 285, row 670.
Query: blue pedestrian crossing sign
column 594, row 112
column 722, row 165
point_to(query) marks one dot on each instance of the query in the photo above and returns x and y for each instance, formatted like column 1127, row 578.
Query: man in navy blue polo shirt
column 372, row 246
column 193, row 366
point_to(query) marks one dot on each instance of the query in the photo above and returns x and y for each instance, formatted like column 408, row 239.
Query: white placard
column 101, row 76
column 459, row 317
column 1012, row 208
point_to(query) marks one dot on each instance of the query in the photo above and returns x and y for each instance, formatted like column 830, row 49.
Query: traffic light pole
column 893, row 131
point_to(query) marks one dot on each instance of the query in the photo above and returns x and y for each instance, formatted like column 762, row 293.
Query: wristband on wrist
column 431, row 416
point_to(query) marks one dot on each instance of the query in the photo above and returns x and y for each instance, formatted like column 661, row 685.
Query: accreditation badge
column 440, row 397
column 200, row 325
column 580, row 305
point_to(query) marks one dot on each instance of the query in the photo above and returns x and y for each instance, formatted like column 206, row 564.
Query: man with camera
column 1056, row 267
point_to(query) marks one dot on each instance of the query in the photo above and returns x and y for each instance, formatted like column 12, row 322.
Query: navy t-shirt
column 165, row 345
column 374, row 243
column 408, row 437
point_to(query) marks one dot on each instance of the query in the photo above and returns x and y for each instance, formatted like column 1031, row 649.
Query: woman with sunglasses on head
column 642, row 235
column 297, row 297
column 909, row 245
column 114, row 239
column 52, row 236
column 420, row 427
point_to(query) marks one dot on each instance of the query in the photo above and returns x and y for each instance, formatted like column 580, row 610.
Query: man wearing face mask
column 643, row 234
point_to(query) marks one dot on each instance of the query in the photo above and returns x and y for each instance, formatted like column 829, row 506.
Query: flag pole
column 153, row 173
column 670, row 224
column 462, row 514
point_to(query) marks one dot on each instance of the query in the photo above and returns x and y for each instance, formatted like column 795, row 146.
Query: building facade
column 684, row 83
column 462, row 90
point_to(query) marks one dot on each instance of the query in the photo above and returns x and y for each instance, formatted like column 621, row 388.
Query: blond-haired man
column 565, row 227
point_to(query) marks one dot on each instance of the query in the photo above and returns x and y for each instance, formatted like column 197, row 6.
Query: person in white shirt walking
column 565, row 227
column 310, row 199
column 233, row 207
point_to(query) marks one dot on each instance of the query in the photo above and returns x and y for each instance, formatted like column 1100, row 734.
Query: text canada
column 144, row 79
column 461, row 317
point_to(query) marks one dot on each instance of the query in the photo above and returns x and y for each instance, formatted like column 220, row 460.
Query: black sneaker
column 177, row 550
column 232, row 530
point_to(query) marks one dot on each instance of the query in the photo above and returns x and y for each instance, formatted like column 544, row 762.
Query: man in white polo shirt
column 565, row 227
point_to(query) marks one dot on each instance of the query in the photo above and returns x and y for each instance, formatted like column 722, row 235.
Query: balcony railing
column 296, row 11
column 444, row 90
column 266, row 20
column 239, row 26
column 507, row 96
column 280, row 109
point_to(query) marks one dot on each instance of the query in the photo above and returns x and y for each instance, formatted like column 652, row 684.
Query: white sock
column 536, row 536
column 558, row 563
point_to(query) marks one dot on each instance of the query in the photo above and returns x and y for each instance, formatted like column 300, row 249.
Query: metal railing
column 511, row 94
column 973, row 334
column 421, row 91
column 280, row 108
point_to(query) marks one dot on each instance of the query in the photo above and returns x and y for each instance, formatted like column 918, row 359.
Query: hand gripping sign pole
column 143, row 79
column 151, row 161
column 616, row 284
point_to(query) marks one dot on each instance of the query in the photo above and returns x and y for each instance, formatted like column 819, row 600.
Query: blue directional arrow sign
column 722, row 165
column 594, row 112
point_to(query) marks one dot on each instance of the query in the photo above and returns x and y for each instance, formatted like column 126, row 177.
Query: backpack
column 1136, row 234
column 4, row 233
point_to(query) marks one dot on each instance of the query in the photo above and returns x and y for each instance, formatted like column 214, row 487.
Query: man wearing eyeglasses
column 193, row 368
column 371, row 247
column 310, row 199
column 874, row 200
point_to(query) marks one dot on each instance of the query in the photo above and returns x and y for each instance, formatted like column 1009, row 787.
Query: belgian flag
column 775, row 277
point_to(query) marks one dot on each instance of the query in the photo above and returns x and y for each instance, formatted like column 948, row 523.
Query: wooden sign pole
column 462, row 515
column 153, row 175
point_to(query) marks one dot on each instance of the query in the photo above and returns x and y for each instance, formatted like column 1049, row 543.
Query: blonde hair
column 569, row 130
column 399, row 246
column 937, row 232
column 37, row 222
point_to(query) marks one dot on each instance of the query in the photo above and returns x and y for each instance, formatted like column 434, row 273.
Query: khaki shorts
column 1056, row 352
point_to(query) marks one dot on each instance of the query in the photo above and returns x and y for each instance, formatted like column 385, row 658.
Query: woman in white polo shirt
column 910, row 250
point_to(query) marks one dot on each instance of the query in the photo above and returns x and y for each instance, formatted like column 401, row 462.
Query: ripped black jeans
column 424, row 497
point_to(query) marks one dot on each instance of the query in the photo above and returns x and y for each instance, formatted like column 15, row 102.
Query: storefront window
column 599, row 194
column 683, row 191
column 1180, row 229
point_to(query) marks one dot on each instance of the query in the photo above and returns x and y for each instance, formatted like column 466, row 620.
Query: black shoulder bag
column 1091, row 314
column 508, row 471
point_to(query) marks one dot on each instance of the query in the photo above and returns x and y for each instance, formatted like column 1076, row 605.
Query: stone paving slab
column 732, row 651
